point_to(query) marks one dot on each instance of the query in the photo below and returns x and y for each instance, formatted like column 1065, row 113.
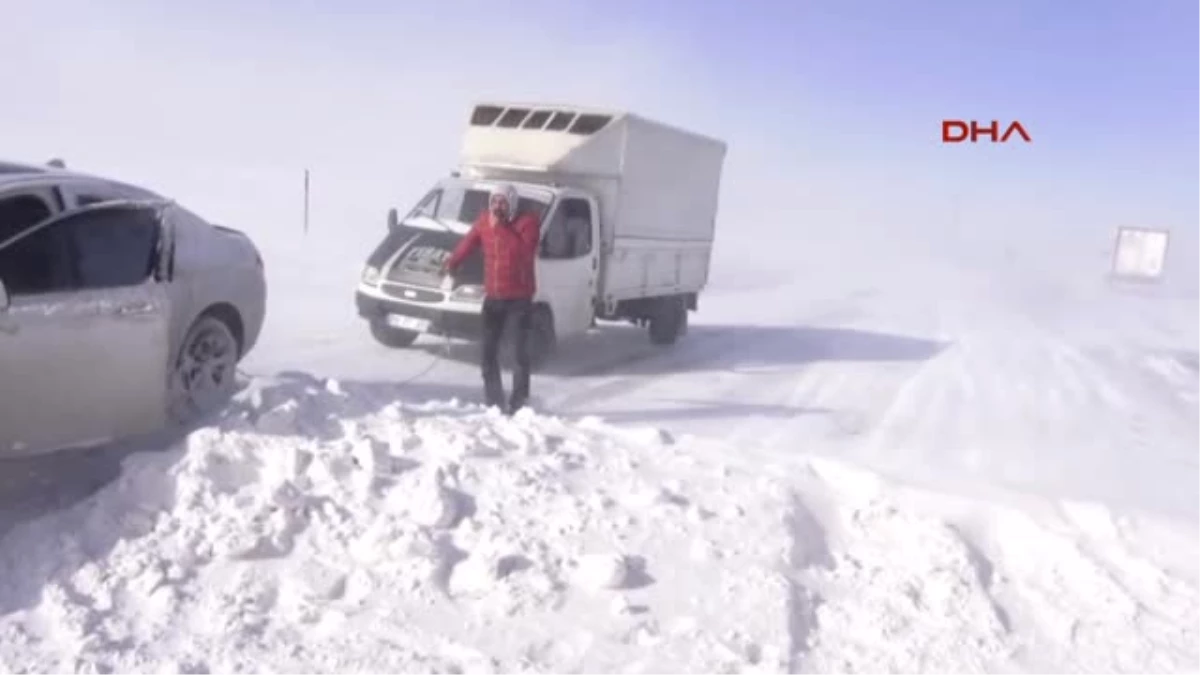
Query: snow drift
column 321, row 526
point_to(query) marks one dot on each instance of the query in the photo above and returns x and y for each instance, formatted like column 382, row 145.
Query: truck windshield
column 464, row 204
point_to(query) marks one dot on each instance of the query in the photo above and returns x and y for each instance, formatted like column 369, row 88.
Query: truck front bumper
column 466, row 325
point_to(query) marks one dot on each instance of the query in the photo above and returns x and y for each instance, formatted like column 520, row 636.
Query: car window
column 88, row 200
column 115, row 247
column 39, row 263
column 20, row 212
column 92, row 249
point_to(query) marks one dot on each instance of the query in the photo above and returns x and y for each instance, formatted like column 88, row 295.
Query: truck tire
column 542, row 340
column 669, row 321
column 396, row 338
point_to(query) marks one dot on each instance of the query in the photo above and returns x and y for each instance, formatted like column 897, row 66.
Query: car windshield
column 463, row 203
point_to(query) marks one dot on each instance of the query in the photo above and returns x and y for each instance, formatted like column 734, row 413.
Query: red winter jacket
column 509, row 256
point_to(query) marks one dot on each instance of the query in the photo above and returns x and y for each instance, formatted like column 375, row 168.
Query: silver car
column 121, row 312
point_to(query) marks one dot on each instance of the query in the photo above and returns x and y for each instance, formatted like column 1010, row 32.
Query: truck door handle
column 135, row 309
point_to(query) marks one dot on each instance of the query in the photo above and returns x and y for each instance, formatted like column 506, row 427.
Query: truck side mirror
column 4, row 299
column 393, row 219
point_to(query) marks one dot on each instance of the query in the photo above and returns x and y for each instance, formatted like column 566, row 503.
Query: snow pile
column 323, row 528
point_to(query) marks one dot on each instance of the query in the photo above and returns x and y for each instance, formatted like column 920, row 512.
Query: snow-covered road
column 949, row 378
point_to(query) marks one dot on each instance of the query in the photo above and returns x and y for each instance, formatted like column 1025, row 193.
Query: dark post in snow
column 306, row 201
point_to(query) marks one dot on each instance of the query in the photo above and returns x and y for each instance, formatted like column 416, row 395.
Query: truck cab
column 403, row 293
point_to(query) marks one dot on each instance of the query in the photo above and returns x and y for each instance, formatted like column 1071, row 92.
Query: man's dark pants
column 497, row 313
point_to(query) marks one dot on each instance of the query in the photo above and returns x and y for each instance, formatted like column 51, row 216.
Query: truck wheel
column 669, row 321
column 544, row 340
column 396, row 338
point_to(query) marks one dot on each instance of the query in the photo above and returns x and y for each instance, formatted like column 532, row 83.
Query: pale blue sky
column 835, row 103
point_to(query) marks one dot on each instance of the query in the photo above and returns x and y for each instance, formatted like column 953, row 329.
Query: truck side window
column 579, row 226
column 569, row 235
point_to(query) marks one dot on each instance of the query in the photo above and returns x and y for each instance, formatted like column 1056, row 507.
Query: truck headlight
column 370, row 275
column 469, row 292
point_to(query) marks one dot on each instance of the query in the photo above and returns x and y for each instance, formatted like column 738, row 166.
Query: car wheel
column 204, row 375
column 395, row 338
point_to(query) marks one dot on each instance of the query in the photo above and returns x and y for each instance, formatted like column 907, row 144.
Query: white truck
column 627, row 208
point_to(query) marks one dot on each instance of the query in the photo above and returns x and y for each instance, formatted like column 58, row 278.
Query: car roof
column 8, row 169
column 17, row 173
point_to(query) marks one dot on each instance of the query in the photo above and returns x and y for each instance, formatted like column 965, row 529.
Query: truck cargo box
column 654, row 181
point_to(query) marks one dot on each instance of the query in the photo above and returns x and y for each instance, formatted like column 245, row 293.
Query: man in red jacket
column 510, row 244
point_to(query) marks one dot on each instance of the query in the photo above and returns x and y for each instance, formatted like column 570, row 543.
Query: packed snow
column 323, row 526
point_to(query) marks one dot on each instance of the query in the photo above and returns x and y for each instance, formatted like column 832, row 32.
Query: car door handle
column 9, row 327
column 135, row 309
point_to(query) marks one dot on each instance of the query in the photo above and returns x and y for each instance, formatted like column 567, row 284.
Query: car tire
column 396, row 338
column 204, row 375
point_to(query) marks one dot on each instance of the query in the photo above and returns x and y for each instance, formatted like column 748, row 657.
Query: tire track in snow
column 808, row 547
column 702, row 345
column 874, row 587
column 701, row 350
column 1076, row 606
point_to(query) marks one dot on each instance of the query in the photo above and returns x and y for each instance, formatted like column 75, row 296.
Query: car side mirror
column 393, row 219
column 4, row 299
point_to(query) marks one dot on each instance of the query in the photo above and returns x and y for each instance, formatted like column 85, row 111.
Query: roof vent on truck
column 538, row 119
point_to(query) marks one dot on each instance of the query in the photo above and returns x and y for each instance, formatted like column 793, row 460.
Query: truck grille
column 412, row 294
column 404, row 274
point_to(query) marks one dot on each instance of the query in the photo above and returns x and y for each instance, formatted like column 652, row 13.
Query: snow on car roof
column 18, row 168
column 14, row 173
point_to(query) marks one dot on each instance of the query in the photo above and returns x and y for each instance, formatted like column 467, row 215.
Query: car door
column 567, row 265
column 84, row 335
